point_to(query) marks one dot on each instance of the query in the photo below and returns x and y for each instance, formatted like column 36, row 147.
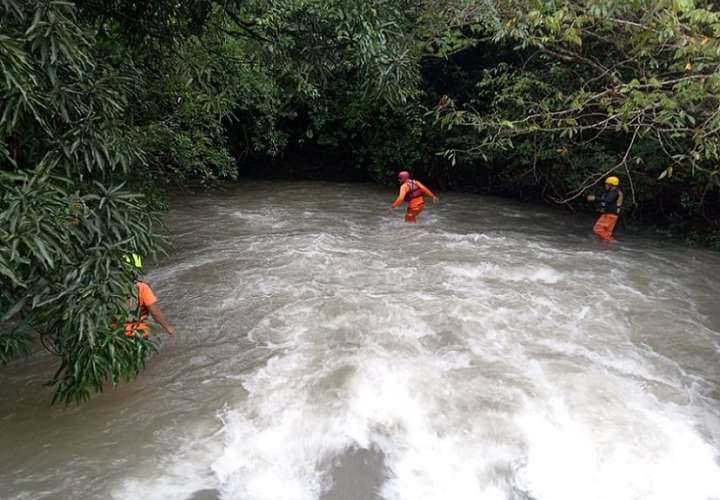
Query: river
column 326, row 350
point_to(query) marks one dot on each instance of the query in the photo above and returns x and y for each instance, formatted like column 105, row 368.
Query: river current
column 328, row 351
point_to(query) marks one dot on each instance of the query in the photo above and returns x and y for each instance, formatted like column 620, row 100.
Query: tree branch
column 593, row 180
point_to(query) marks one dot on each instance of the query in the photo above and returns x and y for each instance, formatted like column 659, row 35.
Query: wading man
column 414, row 193
column 610, row 203
column 144, row 303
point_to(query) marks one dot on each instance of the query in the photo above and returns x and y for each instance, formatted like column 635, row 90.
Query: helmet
column 135, row 260
column 613, row 181
column 404, row 175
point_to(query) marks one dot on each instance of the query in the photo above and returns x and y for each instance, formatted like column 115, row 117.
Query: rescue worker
column 142, row 304
column 610, row 204
column 414, row 193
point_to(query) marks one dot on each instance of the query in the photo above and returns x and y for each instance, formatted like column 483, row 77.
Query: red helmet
column 403, row 176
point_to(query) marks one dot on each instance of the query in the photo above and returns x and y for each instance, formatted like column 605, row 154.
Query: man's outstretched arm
column 427, row 192
column 401, row 196
column 160, row 318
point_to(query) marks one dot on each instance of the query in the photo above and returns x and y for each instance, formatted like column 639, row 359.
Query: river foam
column 522, row 384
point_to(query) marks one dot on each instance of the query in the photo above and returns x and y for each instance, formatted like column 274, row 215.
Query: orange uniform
column 610, row 205
column 413, row 192
column 604, row 226
column 138, row 306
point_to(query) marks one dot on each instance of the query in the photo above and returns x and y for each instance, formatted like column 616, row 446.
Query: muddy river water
column 328, row 351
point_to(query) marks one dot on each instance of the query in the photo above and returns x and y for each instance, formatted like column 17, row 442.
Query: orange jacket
column 405, row 189
column 138, row 305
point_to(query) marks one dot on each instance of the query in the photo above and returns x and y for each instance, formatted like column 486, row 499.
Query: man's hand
column 435, row 200
column 591, row 197
column 171, row 330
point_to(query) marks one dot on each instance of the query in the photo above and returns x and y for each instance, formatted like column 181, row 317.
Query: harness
column 414, row 192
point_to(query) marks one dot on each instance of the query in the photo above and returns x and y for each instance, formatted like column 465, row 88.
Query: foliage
column 635, row 82
column 66, row 217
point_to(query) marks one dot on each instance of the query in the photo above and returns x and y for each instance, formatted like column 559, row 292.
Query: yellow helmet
column 613, row 181
column 136, row 260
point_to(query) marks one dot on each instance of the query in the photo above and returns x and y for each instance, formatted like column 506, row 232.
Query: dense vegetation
column 104, row 101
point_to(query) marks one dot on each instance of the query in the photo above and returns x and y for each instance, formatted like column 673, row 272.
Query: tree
column 66, row 216
column 595, row 88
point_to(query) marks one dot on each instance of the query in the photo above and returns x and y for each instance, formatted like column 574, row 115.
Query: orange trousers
column 413, row 212
column 604, row 226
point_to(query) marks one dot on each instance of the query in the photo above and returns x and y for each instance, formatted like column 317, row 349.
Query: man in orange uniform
column 142, row 304
column 414, row 193
column 610, row 205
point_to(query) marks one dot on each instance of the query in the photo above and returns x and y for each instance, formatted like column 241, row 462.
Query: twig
column 587, row 185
